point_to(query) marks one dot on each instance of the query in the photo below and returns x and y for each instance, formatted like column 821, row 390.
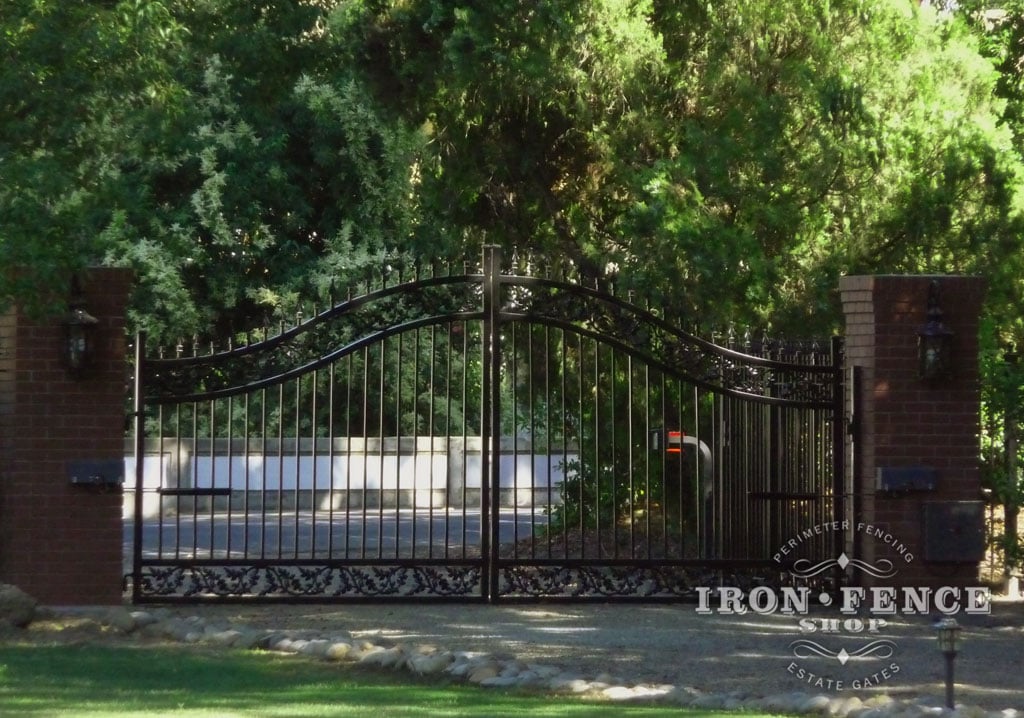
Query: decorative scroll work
column 772, row 371
column 592, row 581
column 316, row 342
column 782, row 373
column 302, row 580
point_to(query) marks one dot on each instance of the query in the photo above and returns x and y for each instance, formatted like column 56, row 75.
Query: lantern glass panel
column 948, row 635
column 79, row 341
column 935, row 352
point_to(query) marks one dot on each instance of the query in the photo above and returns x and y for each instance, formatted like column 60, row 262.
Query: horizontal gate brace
column 782, row 496
column 194, row 492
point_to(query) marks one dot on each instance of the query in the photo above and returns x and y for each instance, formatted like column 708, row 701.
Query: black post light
column 934, row 340
column 79, row 345
column 948, row 635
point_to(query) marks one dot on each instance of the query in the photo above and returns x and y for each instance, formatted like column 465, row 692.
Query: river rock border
column 487, row 670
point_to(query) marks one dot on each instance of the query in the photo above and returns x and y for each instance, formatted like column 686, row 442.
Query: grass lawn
column 90, row 680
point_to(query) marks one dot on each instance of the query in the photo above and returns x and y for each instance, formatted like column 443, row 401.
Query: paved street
column 405, row 533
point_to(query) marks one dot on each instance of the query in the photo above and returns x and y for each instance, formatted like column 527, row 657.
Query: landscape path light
column 948, row 635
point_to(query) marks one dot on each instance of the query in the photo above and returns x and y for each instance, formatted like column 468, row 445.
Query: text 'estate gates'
column 481, row 434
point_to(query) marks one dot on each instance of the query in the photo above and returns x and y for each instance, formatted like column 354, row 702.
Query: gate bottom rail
column 195, row 581
column 169, row 581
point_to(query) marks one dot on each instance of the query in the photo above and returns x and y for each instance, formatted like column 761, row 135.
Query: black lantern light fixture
column 934, row 340
column 79, row 341
column 948, row 634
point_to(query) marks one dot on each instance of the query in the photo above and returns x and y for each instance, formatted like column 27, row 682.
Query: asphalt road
column 405, row 533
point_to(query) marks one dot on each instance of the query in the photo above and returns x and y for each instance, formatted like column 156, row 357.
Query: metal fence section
column 490, row 433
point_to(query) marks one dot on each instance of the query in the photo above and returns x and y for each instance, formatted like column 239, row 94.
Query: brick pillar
column 923, row 430
column 59, row 542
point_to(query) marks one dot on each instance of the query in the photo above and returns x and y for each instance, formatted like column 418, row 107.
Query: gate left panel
column 340, row 459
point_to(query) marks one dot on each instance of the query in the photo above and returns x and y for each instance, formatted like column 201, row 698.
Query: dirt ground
column 747, row 654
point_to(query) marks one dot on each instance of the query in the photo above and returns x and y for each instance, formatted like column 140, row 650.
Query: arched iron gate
column 482, row 434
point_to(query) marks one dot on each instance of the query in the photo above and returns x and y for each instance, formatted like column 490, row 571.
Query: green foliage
column 1002, row 455
column 72, row 75
column 232, row 176
column 730, row 163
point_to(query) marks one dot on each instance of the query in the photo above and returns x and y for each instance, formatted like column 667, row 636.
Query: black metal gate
column 484, row 433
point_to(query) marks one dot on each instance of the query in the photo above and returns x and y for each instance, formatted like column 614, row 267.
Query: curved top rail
column 556, row 301
column 648, row 317
column 340, row 309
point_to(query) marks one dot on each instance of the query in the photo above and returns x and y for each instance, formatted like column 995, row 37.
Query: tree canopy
column 728, row 161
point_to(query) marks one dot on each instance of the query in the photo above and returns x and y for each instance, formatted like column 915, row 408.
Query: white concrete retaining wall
column 421, row 471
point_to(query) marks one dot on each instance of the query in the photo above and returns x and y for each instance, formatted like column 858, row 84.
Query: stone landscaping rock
column 544, row 671
column 430, row 663
column 571, row 684
column 392, row 657
column 844, row 707
column 585, row 686
column 17, row 608
column 338, row 650
column 225, row 638
column 460, row 667
column 483, row 673
column 527, row 678
column 248, row 639
column 878, row 701
column 814, row 704
column 120, row 619
column 143, row 619
column 733, row 704
column 316, row 648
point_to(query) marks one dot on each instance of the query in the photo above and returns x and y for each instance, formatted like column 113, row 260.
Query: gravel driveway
column 750, row 654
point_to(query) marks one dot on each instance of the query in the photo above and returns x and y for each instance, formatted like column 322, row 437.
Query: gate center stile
column 492, row 430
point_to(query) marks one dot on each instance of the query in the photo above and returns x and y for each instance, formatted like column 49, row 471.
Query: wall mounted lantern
column 948, row 634
column 934, row 340
column 79, row 341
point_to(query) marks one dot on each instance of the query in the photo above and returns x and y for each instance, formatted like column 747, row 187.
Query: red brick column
column 60, row 542
column 903, row 421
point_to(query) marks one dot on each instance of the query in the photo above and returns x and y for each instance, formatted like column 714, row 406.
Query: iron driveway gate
column 488, row 433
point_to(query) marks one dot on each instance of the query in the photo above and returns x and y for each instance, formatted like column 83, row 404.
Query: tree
column 73, row 76
column 726, row 165
column 1000, row 31
column 226, row 158
column 729, row 164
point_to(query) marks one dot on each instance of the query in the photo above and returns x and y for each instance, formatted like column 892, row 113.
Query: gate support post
column 490, row 484
column 62, row 542
column 915, row 480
